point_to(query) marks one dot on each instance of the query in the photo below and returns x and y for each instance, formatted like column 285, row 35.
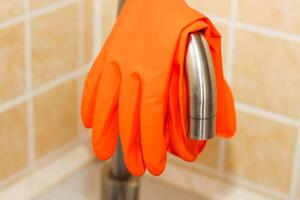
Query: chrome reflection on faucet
column 201, row 88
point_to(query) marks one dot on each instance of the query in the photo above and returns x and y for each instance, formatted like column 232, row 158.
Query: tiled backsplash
column 279, row 15
column 14, row 147
column 266, row 73
column 45, row 46
column 12, row 71
column 54, row 39
column 262, row 151
column 34, row 4
column 55, row 124
column 261, row 58
column 10, row 10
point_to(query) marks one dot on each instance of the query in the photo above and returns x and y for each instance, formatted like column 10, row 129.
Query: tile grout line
column 41, row 89
column 80, row 56
column 244, row 182
column 268, row 31
column 231, row 43
column 255, row 186
column 66, row 164
column 41, row 162
column 56, row 153
column 250, row 109
column 228, row 73
column 295, row 171
column 51, row 8
column 12, row 178
column 36, row 12
column 28, row 66
column 30, row 93
column 219, row 19
column 44, row 88
column 11, row 22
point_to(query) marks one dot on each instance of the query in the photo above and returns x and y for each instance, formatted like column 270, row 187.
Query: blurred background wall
column 45, row 50
column 261, row 56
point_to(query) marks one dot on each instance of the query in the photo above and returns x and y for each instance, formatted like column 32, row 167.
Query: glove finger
column 89, row 96
column 129, row 125
column 226, row 118
column 105, row 122
column 153, row 138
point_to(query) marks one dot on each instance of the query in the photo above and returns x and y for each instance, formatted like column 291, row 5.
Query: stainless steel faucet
column 201, row 88
column 117, row 182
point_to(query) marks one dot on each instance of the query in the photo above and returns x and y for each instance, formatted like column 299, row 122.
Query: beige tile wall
column 59, row 56
column 217, row 7
column 13, row 142
column 261, row 55
column 264, row 65
column 45, row 49
column 34, row 4
column 12, row 70
column 12, row 9
column 55, row 124
column 280, row 15
column 261, row 42
column 210, row 155
column 262, row 151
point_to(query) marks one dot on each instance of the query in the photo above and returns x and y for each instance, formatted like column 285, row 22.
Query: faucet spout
column 201, row 88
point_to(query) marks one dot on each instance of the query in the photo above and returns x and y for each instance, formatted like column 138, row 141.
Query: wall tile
column 55, row 115
column 13, row 140
column 281, row 15
column 210, row 155
column 266, row 73
column 262, row 151
column 108, row 17
column 12, row 71
column 88, row 27
column 11, row 9
column 54, row 44
column 215, row 7
column 41, row 3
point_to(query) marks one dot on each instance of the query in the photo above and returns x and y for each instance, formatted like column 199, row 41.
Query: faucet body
column 117, row 182
column 201, row 88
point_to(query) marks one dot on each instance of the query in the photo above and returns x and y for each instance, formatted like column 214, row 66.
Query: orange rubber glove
column 136, row 87
column 180, row 144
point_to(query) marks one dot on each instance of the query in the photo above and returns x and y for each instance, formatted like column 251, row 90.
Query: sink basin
column 85, row 185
